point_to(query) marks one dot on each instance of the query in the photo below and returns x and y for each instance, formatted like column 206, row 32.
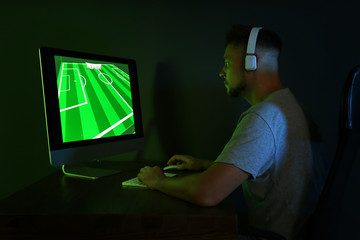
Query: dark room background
column 178, row 46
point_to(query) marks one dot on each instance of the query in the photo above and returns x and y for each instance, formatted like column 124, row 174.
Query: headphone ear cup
column 250, row 63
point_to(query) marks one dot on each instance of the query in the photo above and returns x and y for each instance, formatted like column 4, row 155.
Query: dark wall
column 178, row 46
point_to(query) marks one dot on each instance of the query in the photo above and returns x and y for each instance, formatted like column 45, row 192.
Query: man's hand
column 150, row 176
column 186, row 162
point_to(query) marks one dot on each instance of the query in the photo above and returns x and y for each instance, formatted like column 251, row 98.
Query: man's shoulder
column 280, row 100
column 266, row 109
column 278, row 107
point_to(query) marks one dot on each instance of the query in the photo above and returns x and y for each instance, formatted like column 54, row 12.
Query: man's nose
column 222, row 73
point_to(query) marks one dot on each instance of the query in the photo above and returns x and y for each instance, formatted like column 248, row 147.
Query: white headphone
column 250, row 59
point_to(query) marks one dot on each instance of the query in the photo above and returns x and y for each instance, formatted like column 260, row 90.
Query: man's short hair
column 239, row 35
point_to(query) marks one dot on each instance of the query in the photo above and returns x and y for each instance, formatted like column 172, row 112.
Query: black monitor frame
column 78, row 152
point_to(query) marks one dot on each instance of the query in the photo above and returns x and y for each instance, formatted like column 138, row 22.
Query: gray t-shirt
column 273, row 143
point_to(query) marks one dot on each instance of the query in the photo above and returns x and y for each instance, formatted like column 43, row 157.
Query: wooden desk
column 61, row 207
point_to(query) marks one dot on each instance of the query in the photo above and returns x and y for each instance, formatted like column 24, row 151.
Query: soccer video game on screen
column 94, row 99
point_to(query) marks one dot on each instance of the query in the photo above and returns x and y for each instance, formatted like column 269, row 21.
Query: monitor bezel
column 52, row 109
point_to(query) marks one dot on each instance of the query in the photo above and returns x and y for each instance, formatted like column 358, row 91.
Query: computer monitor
column 92, row 109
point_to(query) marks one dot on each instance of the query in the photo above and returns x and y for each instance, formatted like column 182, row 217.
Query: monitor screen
column 92, row 105
column 95, row 99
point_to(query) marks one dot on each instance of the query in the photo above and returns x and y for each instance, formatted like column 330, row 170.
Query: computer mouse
column 171, row 167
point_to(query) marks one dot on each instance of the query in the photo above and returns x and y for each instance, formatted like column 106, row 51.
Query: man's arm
column 206, row 189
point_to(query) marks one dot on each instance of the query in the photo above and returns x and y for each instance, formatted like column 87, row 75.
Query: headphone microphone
column 250, row 59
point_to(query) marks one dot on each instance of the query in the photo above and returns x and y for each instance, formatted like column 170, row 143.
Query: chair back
column 325, row 221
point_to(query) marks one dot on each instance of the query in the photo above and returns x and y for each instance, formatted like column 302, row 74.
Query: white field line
column 113, row 126
column 62, row 70
column 78, row 105
column 120, row 96
column 120, row 76
column 122, row 71
column 85, row 64
column 68, row 84
column 104, row 74
column 84, row 81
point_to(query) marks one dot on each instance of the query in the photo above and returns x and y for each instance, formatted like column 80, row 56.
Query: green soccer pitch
column 94, row 100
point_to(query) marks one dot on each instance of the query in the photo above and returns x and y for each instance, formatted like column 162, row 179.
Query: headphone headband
column 252, row 40
column 250, row 59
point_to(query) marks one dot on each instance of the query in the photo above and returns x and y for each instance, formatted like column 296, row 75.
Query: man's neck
column 263, row 85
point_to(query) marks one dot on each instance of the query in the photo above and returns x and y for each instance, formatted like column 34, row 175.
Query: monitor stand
column 90, row 171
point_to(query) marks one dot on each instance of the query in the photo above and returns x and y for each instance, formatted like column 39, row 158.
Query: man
column 270, row 152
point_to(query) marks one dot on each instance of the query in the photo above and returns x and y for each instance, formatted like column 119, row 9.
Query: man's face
column 233, row 71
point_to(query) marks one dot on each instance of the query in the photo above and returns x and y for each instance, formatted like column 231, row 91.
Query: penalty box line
column 113, row 126
column 115, row 67
column 78, row 71
column 119, row 94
